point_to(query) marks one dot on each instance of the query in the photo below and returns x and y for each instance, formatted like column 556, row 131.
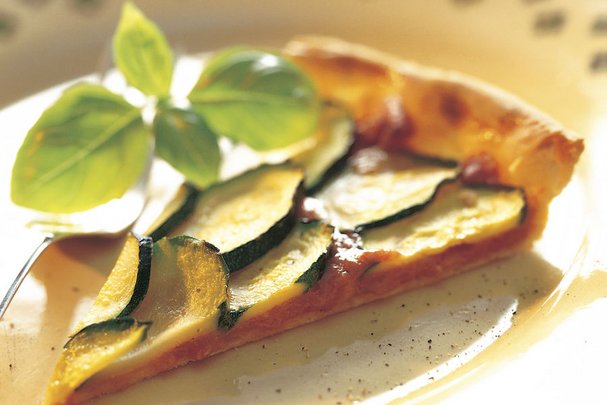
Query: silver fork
column 108, row 220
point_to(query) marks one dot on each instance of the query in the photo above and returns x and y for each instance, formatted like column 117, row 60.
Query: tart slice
column 464, row 175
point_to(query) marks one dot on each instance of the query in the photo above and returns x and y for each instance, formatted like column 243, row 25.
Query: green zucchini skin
column 251, row 250
column 314, row 273
column 144, row 266
column 315, row 184
column 491, row 209
column 246, row 254
column 505, row 187
column 108, row 326
column 91, row 350
column 420, row 207
column 432, row 160
column 404, row 213
column 229, row 315
column 403, row 209
column 228, row 318
column 331, row 172
column 435, row 161
column 188, row 206
column 122, row 305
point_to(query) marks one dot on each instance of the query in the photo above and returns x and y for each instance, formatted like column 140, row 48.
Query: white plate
column 455, row 342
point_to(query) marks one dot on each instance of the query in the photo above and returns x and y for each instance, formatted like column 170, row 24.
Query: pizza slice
column 416, row 175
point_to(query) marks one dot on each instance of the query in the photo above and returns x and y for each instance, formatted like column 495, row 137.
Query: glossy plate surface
column 528, row 329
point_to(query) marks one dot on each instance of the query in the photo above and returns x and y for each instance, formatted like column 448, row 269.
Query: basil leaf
column 256, row 97
column 185, row 141
column 86, row 149
column 142, row 53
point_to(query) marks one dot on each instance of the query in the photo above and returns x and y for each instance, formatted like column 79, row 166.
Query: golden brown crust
column 446, row 114
column 434, row 113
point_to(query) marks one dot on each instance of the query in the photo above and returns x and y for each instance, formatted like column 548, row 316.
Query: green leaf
column 256, row 97
column 185, row 141
column 86, row 149
column 142, row 53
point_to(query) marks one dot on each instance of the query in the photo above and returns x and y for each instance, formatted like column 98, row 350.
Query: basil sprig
column 88, row 147
column 142, row 53
column 185, row 141
column 91, row 145
column 267, row 93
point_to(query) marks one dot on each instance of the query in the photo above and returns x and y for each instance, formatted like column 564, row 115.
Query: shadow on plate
column 406, row 341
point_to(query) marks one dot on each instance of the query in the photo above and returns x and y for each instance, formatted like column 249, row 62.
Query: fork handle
column 8, row 289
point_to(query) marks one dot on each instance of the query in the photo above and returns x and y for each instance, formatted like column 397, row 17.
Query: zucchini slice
column 178, row 209
column 285, row 272
column 245, row 216
column 91, row 350
column 126, row 285
column 457, row 214
column 334, row 139
column 378, row 188
column 187, row 286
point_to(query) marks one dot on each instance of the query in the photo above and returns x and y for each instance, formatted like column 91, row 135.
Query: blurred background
column 550, row 53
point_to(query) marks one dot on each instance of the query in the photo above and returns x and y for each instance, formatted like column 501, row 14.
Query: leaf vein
column 101, row 140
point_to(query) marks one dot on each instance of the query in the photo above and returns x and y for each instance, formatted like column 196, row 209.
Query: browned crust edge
column 400, row 104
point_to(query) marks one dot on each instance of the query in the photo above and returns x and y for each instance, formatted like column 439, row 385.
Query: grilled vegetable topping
column 90, row 351
column 245, row 216
column 378, row 188
column 285, row 272
column 334, row 139
column 457, row 214
column 126, row 285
